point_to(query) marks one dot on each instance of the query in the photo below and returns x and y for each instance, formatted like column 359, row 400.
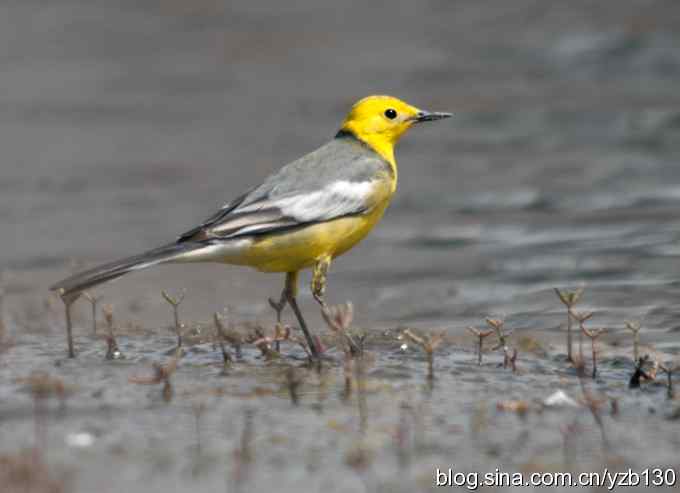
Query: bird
column 304, row 216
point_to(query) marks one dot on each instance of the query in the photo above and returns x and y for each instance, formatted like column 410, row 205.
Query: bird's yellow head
column 380, row 121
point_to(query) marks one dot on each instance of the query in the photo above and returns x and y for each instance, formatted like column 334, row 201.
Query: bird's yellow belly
column 298, row 249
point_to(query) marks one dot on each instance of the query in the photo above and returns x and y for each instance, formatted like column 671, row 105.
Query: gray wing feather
column 331, row 182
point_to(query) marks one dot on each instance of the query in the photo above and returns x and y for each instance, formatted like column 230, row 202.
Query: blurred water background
column 123, row 124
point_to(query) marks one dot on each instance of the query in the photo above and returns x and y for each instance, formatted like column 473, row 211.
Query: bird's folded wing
column 301, row 193
column 338, row 199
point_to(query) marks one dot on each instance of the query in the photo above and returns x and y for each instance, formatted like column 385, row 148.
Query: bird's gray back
column 333, row 181
column 341, row 159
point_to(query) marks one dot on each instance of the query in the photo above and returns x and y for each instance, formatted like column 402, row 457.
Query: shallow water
column 124, row 125
column 110, row 434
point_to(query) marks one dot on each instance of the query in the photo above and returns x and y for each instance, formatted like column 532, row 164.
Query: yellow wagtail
column 311, row 211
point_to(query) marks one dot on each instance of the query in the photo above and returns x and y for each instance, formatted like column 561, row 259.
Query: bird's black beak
column 427, row 116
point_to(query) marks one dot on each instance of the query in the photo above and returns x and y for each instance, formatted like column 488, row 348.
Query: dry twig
column 481, row 335
column 94, row 300
column 230, row 336
column 112, row 350
column 428, row 344
column 593, row 335
column 175, row 302
column 634, row 327
column 669, row 368
column 264, row 342
column 68, row 301
column 161, row 374
column 339, row 319
column 581, row 318
column 569, row 299
column 497, row 325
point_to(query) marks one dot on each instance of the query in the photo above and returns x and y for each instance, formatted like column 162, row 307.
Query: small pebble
column 80, row 439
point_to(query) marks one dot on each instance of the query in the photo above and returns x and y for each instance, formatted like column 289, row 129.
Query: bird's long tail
column 79, row 282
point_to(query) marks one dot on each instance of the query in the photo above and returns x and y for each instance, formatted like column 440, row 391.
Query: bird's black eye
column 390, row 113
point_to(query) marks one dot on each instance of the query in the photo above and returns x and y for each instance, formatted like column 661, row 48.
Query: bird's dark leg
column 319, row 280
column 291, row 292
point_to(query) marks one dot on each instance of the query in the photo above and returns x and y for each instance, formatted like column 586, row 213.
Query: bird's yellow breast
column 300, row 248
